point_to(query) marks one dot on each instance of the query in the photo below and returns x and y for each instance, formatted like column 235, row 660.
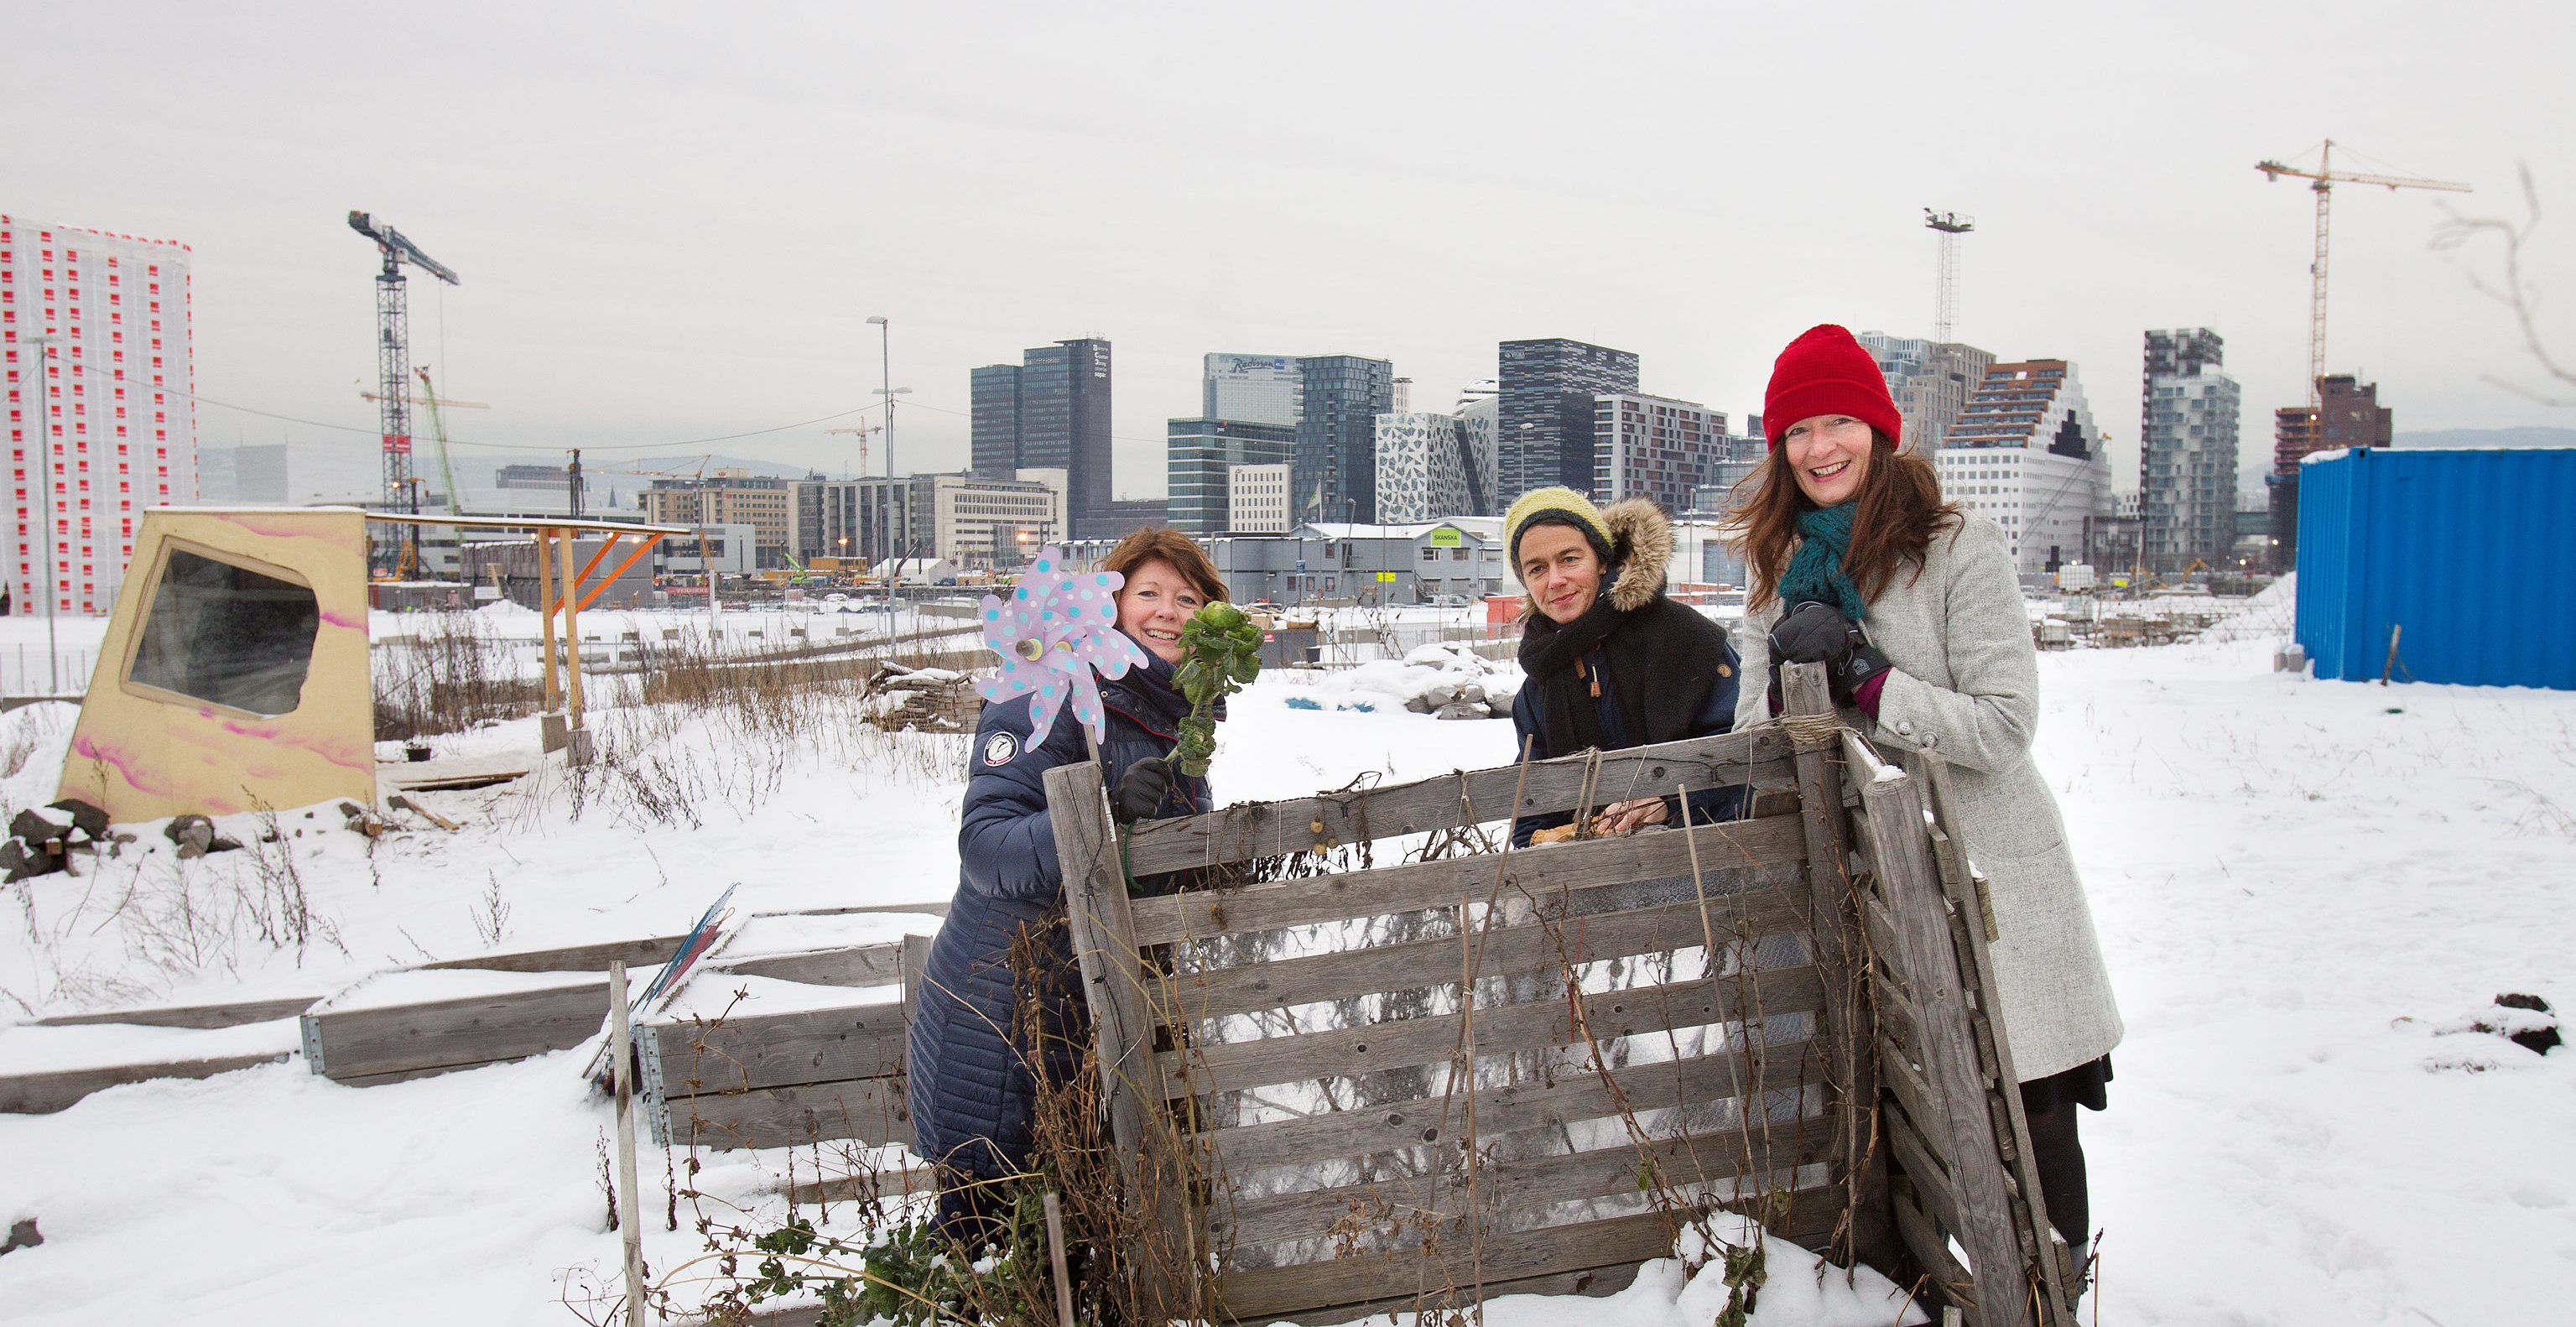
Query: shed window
column 227, row 635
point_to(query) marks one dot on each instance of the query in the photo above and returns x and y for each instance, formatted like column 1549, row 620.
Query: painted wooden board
column 775, row 1050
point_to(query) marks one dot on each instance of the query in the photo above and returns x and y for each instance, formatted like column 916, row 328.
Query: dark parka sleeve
column 1005, row 841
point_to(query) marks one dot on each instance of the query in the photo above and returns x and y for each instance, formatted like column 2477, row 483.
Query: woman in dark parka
column 972, row 1068
column 1612, row 662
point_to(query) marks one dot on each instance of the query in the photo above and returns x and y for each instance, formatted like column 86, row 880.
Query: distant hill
column 2529, row 435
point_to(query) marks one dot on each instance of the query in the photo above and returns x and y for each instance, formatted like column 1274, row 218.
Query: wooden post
column 1893, row 805
column 1133, row 1080
column 546, row 607
column 2390, row 666
column 1834, row 928
column 1055, row 1256
column 621, row 1046
column 571, row 630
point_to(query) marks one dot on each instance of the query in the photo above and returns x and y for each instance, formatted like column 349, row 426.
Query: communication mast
column 1945, row 302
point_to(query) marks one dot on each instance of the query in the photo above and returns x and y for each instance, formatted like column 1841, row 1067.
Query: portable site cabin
column 234, row 673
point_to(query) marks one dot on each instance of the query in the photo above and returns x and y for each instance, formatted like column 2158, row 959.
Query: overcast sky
column 672, row 221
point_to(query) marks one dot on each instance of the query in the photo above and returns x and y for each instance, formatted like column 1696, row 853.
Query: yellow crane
column 2322, row 181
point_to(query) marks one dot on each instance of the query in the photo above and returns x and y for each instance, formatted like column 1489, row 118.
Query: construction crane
column 863, row 430
column 393, row 363
column 2322, row 181
column 437, row 427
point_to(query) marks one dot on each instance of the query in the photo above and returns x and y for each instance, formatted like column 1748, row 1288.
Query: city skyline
column 691, row 248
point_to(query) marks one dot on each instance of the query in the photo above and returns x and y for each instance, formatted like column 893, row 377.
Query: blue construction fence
column 2467, row 559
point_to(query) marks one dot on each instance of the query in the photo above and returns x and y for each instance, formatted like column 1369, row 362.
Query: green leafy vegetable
column 1220, row 654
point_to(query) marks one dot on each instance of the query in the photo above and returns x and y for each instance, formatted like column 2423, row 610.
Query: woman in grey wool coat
column 1913, row 605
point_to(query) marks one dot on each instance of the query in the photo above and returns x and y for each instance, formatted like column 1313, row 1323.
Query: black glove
column 1141, row 790
column 1817, row 633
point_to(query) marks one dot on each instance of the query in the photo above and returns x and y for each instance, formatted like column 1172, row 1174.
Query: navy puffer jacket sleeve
column 1005, row 842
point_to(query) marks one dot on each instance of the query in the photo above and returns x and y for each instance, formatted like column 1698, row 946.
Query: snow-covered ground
column 2299, row 886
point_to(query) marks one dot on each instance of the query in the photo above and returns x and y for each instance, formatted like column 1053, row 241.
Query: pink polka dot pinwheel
column 1056, row 628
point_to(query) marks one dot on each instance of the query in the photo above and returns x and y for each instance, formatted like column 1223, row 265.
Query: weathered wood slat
column 453, row 1034
column 1270, row 1294
column 1531, row 1185
column 572, row 958
column 203, row 1016
column 1897, row 1019
column 868, row 1110
column 933, row 907
column 1116, row 986
column 1401, row 1043
column 857, row 965
column 1264, row 829
column 1906, row 1084
column 1909, row 881
column 776, row 1050
column 1842, row 956
column 1274, row 1292
column 1883, row 943
column 1923, row 1239
column 45, row 1093
column 1916, row 1163
column 1591, row 1282
column 1732, row 854
column 1785, row 1067
column 1524, row 947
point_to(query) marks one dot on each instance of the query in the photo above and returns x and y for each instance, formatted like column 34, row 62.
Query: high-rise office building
column 993, row 431
column 1203, row 455
column 2026, row 454
column 1336, row 455
column 2187, row 450
column 110, row 427
column 2348, row 414
column 1931, row 381
column 1479, row 413
column 1429, row 466
column 1653, row 447
column 1054, row 410
column 1545, row 433
column 1254, row 389
column 1257, row 499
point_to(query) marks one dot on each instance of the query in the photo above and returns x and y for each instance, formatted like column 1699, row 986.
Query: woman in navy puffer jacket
column 973, row 1071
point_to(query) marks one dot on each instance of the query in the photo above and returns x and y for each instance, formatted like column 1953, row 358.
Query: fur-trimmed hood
column 1641, row 546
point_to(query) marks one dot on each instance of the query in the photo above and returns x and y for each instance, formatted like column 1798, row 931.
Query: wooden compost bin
column 1297, row 1072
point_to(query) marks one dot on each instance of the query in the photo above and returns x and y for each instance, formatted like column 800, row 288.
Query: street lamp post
column 887, row 392
column 45, row 439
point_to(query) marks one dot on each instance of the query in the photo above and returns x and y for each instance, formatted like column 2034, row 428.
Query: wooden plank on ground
column 572, row 958
column 1524, row 947
column 867, row 1110
column 1732, row 854
column 438, row 1034
column 1266, row 829
column 746, row 1051
column 234, row 1014
column 931, row 907
column 1698, row 1080
column 853, row 965
column 45, row 1093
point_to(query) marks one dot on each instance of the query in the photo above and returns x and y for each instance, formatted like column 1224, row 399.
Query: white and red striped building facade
column 116, row 411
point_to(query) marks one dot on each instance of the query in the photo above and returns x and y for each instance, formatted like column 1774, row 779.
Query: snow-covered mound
column 1446, row 678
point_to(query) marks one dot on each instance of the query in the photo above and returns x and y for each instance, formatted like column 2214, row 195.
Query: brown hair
column 1900, row 511
column 1170, row 545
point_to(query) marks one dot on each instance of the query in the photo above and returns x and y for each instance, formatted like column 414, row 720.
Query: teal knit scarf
column 1816, row 569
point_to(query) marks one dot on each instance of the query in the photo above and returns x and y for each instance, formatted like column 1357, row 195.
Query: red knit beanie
column 1826, row 372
